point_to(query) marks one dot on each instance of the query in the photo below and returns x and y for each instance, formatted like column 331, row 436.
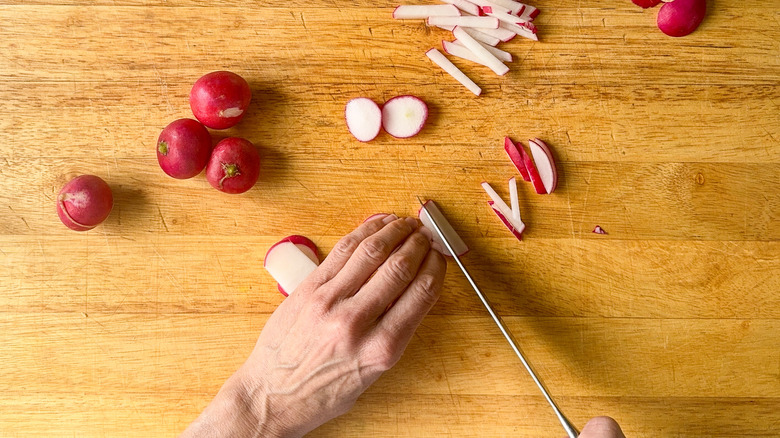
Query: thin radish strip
column 464, row 5
column 465, row 21
column 410, row 12
column 514, row 199
column 507, row 222
column 432, row 213
column 447, row 28
column 515, row 7
column 533, row 173
column 492, row 62
column 503, row 35
column 481, row 36
column 439, row 59
column 523, row 31
column 509, row 19
column 461, row 51
column 498, row 53
column 500, row 204
column 516, row 157
column 495, row 6
column 529, row 13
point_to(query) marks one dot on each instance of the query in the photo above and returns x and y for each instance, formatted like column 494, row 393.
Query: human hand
column 602, row 427
column 344, row 326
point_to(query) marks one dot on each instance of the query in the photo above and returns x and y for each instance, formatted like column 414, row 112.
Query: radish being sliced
column 490, row 60
column 507, row 223
column 364, row 118
column 533, row 173
column 464, row 5
column 514, row 200
column 499, row 206
column 461, row 51
column 545, row 164
column 498, row 53
column 410, row 12
column 465, row 21
column 516, row 157
column 404, row 116
column 681, row 17
column 290, row 261
column 482, row 37
column 439, row 59
column 431, row 210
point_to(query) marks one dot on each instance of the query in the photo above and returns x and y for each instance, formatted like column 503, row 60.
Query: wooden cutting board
column 669, row 323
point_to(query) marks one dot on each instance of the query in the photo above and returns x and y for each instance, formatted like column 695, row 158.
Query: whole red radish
column 234, row 165
column 681, row 17
column 84, row 202
column 220, row 99
column 646, row 3
column 183, row 148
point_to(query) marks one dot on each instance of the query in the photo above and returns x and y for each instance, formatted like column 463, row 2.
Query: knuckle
column 346, row 246
column 386, row 354
column 400, row 269
column 427, row 290
column 374, row 249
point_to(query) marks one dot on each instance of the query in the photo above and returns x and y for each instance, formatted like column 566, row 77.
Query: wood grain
column 669, row 323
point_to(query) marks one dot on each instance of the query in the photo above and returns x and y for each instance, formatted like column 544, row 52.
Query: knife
column 571, row 431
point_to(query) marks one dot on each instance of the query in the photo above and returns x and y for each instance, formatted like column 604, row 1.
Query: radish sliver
column 404, row 116
column 364, row 118
column 439, row 59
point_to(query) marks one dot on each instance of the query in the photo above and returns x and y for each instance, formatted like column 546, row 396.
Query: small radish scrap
column 599, row 230
column 290, row 261
column 84, row 202
column 681, row 17
column 364, row 118
column 545, row 164
column 432, row 210
column 404, row 116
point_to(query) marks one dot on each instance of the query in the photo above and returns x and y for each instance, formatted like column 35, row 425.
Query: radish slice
column 439, row 59
column 490, row 60
column 461, row 51
column 465, row 6
column 364, row 118
column 289, row 264
column 408, row 12
column 498, row 53
column 514, row 200
column 481, row 36
column 467, row 21
column 404, row 116
column 681, row 17
column 452, row 236
column 545, row 164
column 533, row 173
column 516, row 157
column 507, row 223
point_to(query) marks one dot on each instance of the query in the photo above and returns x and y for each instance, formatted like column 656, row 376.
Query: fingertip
column 376, row 216
column 602, row 426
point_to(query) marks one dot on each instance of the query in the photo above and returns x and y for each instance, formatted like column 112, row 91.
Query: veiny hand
column 344, row 326
column 602, row 427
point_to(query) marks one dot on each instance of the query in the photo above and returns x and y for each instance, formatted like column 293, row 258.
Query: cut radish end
column 528, row 13
column 439, row 59
column 681, row 17
column 507, row 223
column 516, row 157
column 498, row 53
column 487, row 7
column 498, row 205
column 364, row 118
column 289, row 263
column 481, row 36
column 410, row 12
column 465, row 6
column 533, row 173
column 545, row 164
column 461, row 51
column 527, row 30
column 404, row 116
column 499, row 6
column 466, row 21
column 431, row 210
column 598, row 229
column 502, row 34
column 514, row 200
column 490, row 60
column 515, row 7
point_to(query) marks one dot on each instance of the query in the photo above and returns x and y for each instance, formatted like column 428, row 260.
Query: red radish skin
column 305, row 245
column 681, row 17
column 219, row 99
column 516, row 157
column 545, row 164
column 84, row 202
column 646, row 3
column 533, row 174
column 404, row 116
column 234, row 166
column 183, row 148
column 515, row 232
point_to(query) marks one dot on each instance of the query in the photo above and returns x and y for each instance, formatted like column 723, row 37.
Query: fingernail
column 374, row 216
column 389, row 219
column 412, row 222
column 426, row 232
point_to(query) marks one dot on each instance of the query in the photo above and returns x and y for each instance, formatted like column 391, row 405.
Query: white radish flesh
column 465, row 6
column 499, row 203
column 514, row 200
column 516, row 157
column 448, row 28
column 501, row 34
column 411, row 12
column 490, row 60
column 461, row 51
column 364, row 118
column 515, row 7
column 288, row 265
column 518, row 233
column 498, row 53
column 404, row 116
column 431, row 210
column 439, row 59
column 528, row 13
column 545, row 164
column 467, row 21
column 481, row 36
column 491, row 4
column 523, row 31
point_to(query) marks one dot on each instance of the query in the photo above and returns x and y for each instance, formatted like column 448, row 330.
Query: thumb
column 602, row 427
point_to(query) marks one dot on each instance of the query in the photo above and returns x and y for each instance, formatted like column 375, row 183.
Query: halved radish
column 290, row 261
column 681, row 17
column 516, row 157
column 364, row 118
column 431, row 210
column 439, row 59
column 545, row 164
column 533, row 173
column 404, row 116
column 490, row 60
column 410, row 12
